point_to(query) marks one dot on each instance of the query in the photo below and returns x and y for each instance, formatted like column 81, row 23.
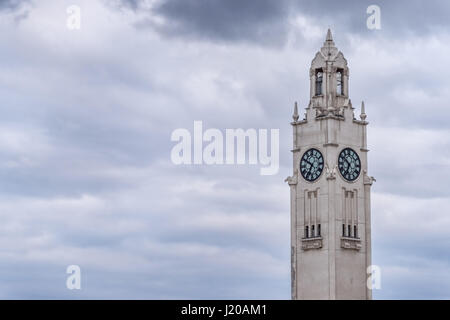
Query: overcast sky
column 86, row 118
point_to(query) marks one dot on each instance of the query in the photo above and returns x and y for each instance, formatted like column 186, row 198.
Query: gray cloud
column 267, row 22
column 262, row 22
column 11, row 4
column 399, row 18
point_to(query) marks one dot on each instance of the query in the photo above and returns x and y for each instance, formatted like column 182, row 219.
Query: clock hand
column 346, row 171
column 307, row 170
column 347, row 160
column 349, row 165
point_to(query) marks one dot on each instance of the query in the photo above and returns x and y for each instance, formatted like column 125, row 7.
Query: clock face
column 311, row 164
column 349, row 164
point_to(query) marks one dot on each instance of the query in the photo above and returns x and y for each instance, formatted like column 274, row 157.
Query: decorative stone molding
column 366, row 179
column 330, row 110
column 294, row 179
column 331, row 144
column 351, row 243
column 364, row 123
column 329, row 116
column 312, row 243
column 320, row 112
column 346, row 103
column 294, row 123
column 339, row 111
column 330, row 173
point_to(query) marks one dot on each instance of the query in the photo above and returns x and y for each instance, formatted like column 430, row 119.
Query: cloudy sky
column 86, row 118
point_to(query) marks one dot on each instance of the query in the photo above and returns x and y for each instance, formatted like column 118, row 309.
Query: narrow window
column 343, row 230
column 355, row 231
column 318, row 230
column 319, row 80
column 306, row 232
column 312, row 232
column 339, row 82
column 349, row 230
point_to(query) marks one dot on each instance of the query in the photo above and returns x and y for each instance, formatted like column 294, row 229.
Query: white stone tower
column 330, row 188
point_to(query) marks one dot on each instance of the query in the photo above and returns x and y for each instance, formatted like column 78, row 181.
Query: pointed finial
column 295, row 115
column 329, row 36
column 363, row 115
column 328, row 48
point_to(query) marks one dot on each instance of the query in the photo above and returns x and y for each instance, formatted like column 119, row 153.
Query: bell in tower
column 330, row 188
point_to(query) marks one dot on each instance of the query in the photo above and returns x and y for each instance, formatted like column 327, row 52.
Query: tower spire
column 329, row 36
column 363, row 112
column 329, row 42
column 295, row 115
column 329, row 49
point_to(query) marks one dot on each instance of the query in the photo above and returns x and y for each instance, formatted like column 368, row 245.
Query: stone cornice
column 331, row 144
column 294, row 123
column 330, row 117
column 361, row 122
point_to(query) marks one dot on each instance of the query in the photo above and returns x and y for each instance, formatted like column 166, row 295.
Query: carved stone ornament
column 331, row 111
column 368, row 180
column 312, row 243
column 330, row 173
column 351, row 243
column 339, row 112
column 292, row 180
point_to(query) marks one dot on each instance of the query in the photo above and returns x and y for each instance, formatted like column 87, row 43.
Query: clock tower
column 330, row 187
